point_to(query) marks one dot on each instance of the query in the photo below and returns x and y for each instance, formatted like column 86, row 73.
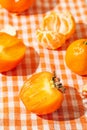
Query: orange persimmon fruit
column 76, row 56
column 12, row 51
column 42, row 93
column 55, row 29
column 16, row 6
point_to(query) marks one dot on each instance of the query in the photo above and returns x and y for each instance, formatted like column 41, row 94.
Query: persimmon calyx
column 85, row 42
column 57, row 83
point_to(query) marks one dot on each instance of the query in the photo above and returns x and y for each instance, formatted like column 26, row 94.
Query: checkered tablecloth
column 73, row 113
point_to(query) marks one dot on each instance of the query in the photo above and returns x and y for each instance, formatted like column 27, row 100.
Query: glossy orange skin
column 39, row 94
column 16, row 7
column 12, row 51
column 76, row 56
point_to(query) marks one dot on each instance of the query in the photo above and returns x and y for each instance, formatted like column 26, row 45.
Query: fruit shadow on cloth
column 71, row 109
column 39, row 8
column 27, row 66
column 80, row 33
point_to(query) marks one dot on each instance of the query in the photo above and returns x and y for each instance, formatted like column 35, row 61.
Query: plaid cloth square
column 73, row 113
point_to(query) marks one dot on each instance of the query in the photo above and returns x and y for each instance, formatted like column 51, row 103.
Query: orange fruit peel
column 55, row 29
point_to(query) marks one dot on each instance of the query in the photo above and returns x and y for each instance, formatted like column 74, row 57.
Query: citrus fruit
column 76, row 56
column 12, row 51
column 67, row 26
column 55, row 29
column 16, row 6
column 50, row 39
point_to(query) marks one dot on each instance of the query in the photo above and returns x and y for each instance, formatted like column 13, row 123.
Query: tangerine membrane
column 55, row 29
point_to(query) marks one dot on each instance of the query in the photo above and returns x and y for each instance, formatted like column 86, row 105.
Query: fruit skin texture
column 12, row 51
column 15, row 6
column 76, row 56
column 39, row 94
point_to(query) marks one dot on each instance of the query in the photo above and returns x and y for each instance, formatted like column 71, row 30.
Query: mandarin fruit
column 55, row 29
column 76, row 56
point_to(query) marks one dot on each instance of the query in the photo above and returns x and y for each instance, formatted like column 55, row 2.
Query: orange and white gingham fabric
column 73, row 113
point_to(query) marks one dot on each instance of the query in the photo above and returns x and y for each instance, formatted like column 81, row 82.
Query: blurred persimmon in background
column 16, row 6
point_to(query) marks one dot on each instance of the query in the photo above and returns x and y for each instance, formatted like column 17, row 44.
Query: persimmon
column 76, row 56
column 42, row 93
column 12, row 51
column 55, row 29
column 16, row 6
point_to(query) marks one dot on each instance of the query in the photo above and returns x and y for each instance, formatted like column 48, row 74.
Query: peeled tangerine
column 55, row 29
column 12, row 51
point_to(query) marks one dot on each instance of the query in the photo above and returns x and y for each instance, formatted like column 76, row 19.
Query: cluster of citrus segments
column 9, row 29
column 55, row 29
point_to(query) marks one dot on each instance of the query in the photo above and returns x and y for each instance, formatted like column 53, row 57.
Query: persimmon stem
column 57, row 83
column 85, row 42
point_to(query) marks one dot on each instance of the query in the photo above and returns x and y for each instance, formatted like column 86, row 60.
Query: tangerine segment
column 12, row 51
column 76, row 56
column 67, row 26
column 51, row 22
column 50, row 39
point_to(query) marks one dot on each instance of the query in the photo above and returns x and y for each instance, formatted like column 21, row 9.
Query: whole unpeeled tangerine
column 76, row 56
